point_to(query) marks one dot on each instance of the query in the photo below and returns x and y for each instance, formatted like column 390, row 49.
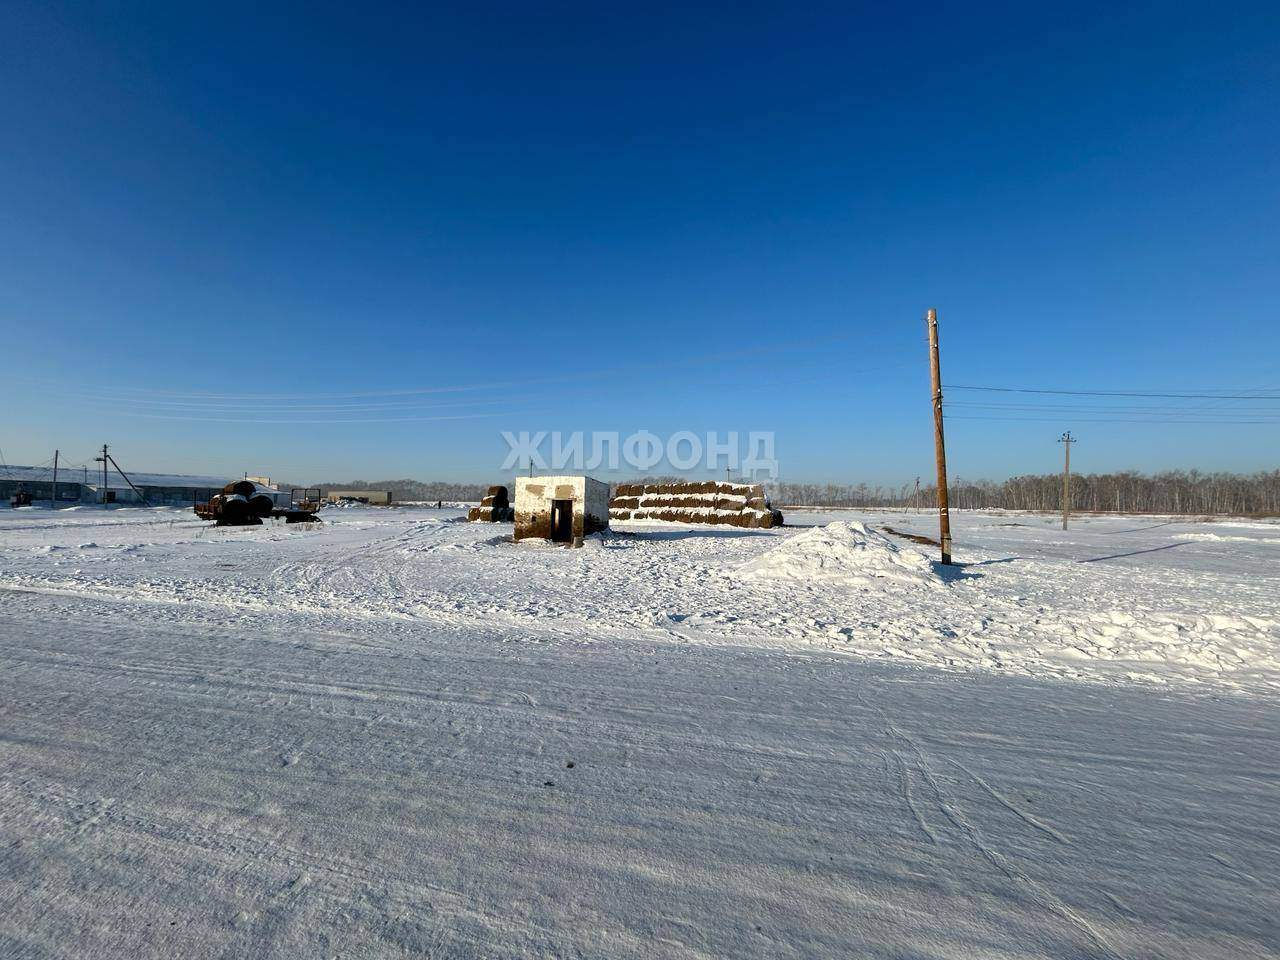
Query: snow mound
column 843, row 552
column 1226, row 538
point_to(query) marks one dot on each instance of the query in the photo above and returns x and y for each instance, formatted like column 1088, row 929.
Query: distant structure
column 85, row 486
column 378, row 498
column 494, row 508
column 560, row 509
column 711, row 501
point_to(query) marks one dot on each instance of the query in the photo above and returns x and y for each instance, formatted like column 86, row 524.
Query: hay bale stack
column 495, row 507
column 240, row 504
column 707, row 501
column 232, row 510
column 491, row 514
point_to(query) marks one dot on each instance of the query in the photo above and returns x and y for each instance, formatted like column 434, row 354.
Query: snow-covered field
column 398, row 734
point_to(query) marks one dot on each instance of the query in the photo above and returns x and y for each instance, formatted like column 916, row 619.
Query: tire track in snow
column 905, row 783
column 332, row 876
column 1037, row 891
column 1009, row 805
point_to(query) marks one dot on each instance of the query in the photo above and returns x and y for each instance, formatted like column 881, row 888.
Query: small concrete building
column 561, row 509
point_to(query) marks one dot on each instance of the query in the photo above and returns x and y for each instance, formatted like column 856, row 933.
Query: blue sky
column 711, row 218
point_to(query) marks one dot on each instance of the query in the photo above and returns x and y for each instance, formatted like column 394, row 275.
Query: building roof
column 114, row 481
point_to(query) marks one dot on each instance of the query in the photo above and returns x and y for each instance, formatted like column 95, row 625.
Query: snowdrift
column 843, row 552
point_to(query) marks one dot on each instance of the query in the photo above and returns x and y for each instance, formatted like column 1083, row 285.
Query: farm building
column 38, row 481
column 562, row 509
column 380, row 498
column 78, row 485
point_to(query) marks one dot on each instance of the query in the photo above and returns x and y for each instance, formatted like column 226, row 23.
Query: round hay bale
column 234, row 508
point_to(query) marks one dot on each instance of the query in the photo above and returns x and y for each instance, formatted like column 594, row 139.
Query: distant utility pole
column 103, row 460
column 940, row 448
column 53, row 494
column 1066, row 440
column 917, row 494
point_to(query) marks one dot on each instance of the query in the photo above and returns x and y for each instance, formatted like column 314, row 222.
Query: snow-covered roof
column 76, row 474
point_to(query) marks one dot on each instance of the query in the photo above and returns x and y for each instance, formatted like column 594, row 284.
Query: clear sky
column 615, row 218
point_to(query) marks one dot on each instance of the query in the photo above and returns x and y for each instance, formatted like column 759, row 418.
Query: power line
column 1204, row 413
column 1119, row 393
column 1075, row 419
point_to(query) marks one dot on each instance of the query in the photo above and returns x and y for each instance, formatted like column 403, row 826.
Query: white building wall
column 534, row 496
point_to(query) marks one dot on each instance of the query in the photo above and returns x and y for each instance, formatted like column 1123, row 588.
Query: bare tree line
column 1174, row 492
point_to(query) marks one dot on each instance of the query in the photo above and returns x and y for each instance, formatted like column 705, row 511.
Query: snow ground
column 1147, row 600
column 354, row 740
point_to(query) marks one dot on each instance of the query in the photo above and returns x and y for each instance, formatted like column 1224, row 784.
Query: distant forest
column 1176, row 491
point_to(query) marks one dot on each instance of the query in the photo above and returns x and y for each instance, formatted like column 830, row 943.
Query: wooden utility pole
column 940, row 448
column 1066, row 440
column 917, row 494
column 53, row 494
column 103, row 460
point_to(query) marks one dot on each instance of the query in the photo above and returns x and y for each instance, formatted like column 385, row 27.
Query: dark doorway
column 562, row 521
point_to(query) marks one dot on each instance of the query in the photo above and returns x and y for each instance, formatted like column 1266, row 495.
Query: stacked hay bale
column 241, row 503
column 710, row 501
column 495, row 507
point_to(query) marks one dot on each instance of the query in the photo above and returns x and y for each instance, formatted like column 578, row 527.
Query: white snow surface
column 397, row 734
